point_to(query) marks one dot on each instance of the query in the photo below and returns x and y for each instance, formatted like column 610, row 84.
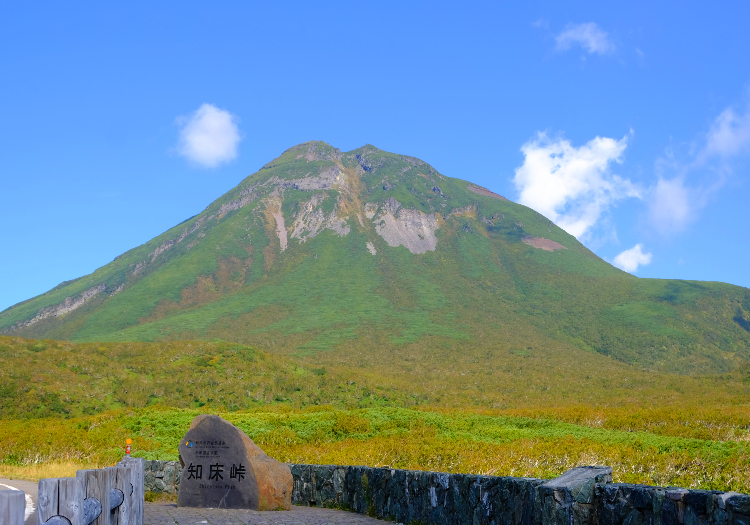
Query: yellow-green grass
column 494, row 443
column 66, row 406
column 44, row 469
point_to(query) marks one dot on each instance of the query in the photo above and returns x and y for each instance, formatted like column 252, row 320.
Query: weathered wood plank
column 96, row 485
column 137, row 467
column 119, row 479
column 12, row 507
column 125, row 483
column 71, row 500
column 47, row 500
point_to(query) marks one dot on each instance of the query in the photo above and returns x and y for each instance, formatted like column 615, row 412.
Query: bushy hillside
column 42, row 379
column 374, row 260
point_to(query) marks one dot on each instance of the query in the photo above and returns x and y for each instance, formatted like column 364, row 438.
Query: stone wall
column 162, row 476
column 417, row 497
column 581, row 496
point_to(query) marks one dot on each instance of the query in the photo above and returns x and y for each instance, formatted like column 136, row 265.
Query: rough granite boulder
column 223, row 468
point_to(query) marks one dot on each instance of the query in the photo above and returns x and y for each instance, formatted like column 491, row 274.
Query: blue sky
column 629, row 125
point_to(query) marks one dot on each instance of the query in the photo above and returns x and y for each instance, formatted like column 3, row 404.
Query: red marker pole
column 127, row 447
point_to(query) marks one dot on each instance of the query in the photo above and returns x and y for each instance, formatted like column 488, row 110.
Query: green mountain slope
column 376, row 260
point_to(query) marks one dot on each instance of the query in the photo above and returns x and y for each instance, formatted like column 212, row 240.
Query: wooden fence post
column 119, row 478
column 12, row 507
column 96, row 485
column 47, row 500
column 60, row 497
column 134, row 511
column 137, row 467
column 109, row 496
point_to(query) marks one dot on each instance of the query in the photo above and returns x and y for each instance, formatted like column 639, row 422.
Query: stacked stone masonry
column 581, row 496
column 161, row 476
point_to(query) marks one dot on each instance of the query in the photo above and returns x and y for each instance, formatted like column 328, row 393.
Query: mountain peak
column 324, row 250
column 311, row 151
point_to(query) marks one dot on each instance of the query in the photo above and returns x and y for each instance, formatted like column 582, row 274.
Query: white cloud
column 589, row 36
column 629, row 260
column 672, row 205
column 675, row 201
column 572, row 186
column 729, row 135
column 209, row 136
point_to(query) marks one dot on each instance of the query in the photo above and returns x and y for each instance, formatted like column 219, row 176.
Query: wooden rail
column 109, row 496
column 12, row 506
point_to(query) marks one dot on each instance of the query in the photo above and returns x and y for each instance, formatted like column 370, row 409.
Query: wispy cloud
column 209, row 136
column 673, row 205
column 631, row 259
column 572, row 186
column 729, row 135
column 684, row 188
column 589, row 36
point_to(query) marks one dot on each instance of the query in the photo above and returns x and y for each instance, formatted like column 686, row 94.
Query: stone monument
column 223, row 468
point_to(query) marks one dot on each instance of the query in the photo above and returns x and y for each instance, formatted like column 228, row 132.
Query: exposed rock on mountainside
column 325, row 181
column 484, row 191
column 273, row 205
column 368, row 252
column 411, row 228
column 543, row 244
column 311, row 220
column 65, row 307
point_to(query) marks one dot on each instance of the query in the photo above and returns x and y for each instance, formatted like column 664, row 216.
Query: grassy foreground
column 653, row 446
column 65, row 406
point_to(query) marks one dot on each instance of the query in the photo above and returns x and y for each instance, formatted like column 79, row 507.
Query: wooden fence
column 108, row 496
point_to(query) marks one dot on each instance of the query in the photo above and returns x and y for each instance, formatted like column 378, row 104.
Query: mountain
column 377, row 260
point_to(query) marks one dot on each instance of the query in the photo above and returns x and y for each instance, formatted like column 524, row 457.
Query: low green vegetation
column 485, row 443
